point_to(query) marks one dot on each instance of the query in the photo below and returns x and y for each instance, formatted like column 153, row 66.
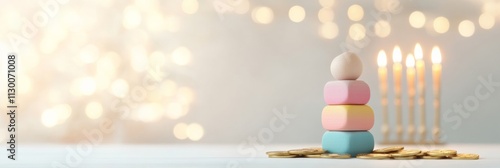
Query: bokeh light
column 486, row 21
column 194, row 131
column 119, row 88
column 56, row 115
column 382, row 28
column 83, row 86
column 181, row 56
column 180, row 131
column 49, row 118
column 175, row 110
column 89, row 54
column 490, row 7
column 466, row 28
column 355, row 12
column 87, row 85
column 262, row 15
column 190, row 6
column 297, row 13
column 148, row 112
column 131, row 17
column 441, row 25
column 417, row 19
column 329, row 30
column 25, row 84
column 139, row 58
column 357, row 31
column 325, row 15
column 94, row 55
column 93, row 110
column 106, row 69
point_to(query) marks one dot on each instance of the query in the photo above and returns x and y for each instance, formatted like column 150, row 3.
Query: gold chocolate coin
column 442, row 152
column 335, row 156
column 278, row 153
column 405, row 157
column 277, row 156
column 466, row 156
column 307, row 151
column 403, row 153
column 388, row 149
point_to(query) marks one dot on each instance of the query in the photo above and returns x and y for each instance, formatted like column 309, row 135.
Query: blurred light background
column 214, row 71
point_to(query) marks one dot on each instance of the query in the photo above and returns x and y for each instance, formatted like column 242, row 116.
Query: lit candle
column 397, row 72
column 410, row 81
column 382, row 76
column 420, row 66
column 436, row 78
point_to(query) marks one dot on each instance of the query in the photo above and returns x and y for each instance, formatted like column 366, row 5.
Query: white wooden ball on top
column 346, row 66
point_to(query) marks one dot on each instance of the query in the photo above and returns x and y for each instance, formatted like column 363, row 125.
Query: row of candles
column 415, row 70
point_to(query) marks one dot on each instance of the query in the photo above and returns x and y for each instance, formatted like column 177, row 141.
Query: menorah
column 415, row 69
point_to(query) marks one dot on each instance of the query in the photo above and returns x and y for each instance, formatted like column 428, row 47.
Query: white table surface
column 199, row 155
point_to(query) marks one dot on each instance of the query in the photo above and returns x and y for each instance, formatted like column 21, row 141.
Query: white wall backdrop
column 225, row 76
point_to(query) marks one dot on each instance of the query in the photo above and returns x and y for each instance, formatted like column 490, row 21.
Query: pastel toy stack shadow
column 346, row 117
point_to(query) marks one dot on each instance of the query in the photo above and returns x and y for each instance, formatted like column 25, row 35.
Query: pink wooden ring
column 346, row 92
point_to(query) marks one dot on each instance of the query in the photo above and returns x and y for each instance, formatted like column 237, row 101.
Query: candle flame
column 396, row 54
column 410, row 61
column 382, row 58
column 418, row 52
column 436, row 55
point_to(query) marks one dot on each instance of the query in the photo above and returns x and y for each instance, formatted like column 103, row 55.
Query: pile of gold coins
column 306, row 152
column 395, row 152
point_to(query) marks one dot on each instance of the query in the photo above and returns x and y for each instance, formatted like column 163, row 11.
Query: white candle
column 382, row 76
column 397, row 72
column 420, row 66
column 410, row 81
column 436, row 83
